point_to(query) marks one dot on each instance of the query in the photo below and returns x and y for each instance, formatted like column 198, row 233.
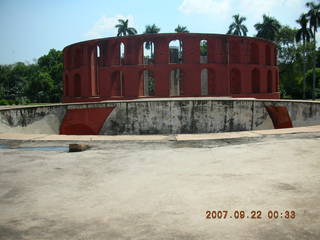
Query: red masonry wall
column 279, row 116
column 87, row 121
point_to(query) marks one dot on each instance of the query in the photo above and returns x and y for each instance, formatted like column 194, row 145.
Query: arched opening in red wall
column 234, row 52
column 117, row 84
column 270, row 87
column 204, row 51
column 176, row 51
column 98, row 51
column 254, row 53
column 211, row 82
column 148, row 52
column 147, row 83
column 255, row 80
column 176, row 81
column 235, row 81
column 207, row 82
column 122, row 53
column 66, row 85
column 77, row 85
column 268, row 55
column 96, row 89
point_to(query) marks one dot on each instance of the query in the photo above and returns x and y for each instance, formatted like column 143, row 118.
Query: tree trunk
column 151, row 53
column 180, row 51
column 314, row 69
column 304, row 70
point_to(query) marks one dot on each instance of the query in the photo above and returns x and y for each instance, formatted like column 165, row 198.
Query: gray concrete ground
column 161, row 189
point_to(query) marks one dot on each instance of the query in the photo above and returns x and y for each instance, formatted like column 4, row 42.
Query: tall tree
column 268, row 29
column 303, row 34
column 237, row 27
column 124, row 29
column 21, row 83
column 314, row 22
column 151, row 29
column 181, row 29
column 286, row 44
column 52, row 63
column 289, row 67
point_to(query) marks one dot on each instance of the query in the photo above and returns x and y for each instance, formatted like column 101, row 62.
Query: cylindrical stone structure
column 149, row 65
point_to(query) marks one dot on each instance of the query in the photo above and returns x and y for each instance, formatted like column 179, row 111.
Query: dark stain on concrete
column 8, row 233
column 286, row 187
column 11, row 194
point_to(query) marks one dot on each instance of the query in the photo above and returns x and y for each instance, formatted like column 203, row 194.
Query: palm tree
column 123, row 29
column 303, row 34
column 268, row 29
column 151, row 29
column 237, row 27
column 181, row 29
column 314, row 22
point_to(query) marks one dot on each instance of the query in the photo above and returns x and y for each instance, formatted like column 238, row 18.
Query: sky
column 30, row 28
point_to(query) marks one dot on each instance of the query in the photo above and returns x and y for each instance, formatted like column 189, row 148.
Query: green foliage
column 4, row 102
column 291, row 62
column 309, row 79
column 203, row 48
column 124, row 29
column 304, row 33
column 313, row 16
column 268, row 29
column 237, row 27
column 150, row 29
column 22, row 83
column 181, row 29
column 285, row 40
column 52, row 63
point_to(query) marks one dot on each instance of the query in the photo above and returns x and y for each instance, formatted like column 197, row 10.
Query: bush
column 3, row 102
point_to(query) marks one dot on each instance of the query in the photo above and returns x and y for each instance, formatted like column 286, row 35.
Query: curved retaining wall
column 164, row 116
column 36, row 119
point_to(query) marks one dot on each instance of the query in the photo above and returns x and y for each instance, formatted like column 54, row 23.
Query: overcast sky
column 30, row 28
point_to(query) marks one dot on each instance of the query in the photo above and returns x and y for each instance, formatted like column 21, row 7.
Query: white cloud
column 221, row 11
column 257, row 8
column 106, row 26
column 250, row 8
column 221, row 7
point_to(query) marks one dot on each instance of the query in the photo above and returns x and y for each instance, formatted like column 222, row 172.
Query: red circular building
column 170, row 65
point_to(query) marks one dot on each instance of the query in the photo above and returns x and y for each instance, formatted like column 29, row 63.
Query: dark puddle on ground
column 3, row 146
column 47, row 148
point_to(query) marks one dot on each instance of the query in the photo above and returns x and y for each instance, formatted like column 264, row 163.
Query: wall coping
column 177, row 99
column 168, row 35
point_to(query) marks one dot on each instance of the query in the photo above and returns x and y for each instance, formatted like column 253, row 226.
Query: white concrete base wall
column 165, row 116
column 203, row 115
column 45, row 120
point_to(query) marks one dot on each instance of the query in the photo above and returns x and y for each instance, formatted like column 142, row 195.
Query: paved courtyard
column 162, row 189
